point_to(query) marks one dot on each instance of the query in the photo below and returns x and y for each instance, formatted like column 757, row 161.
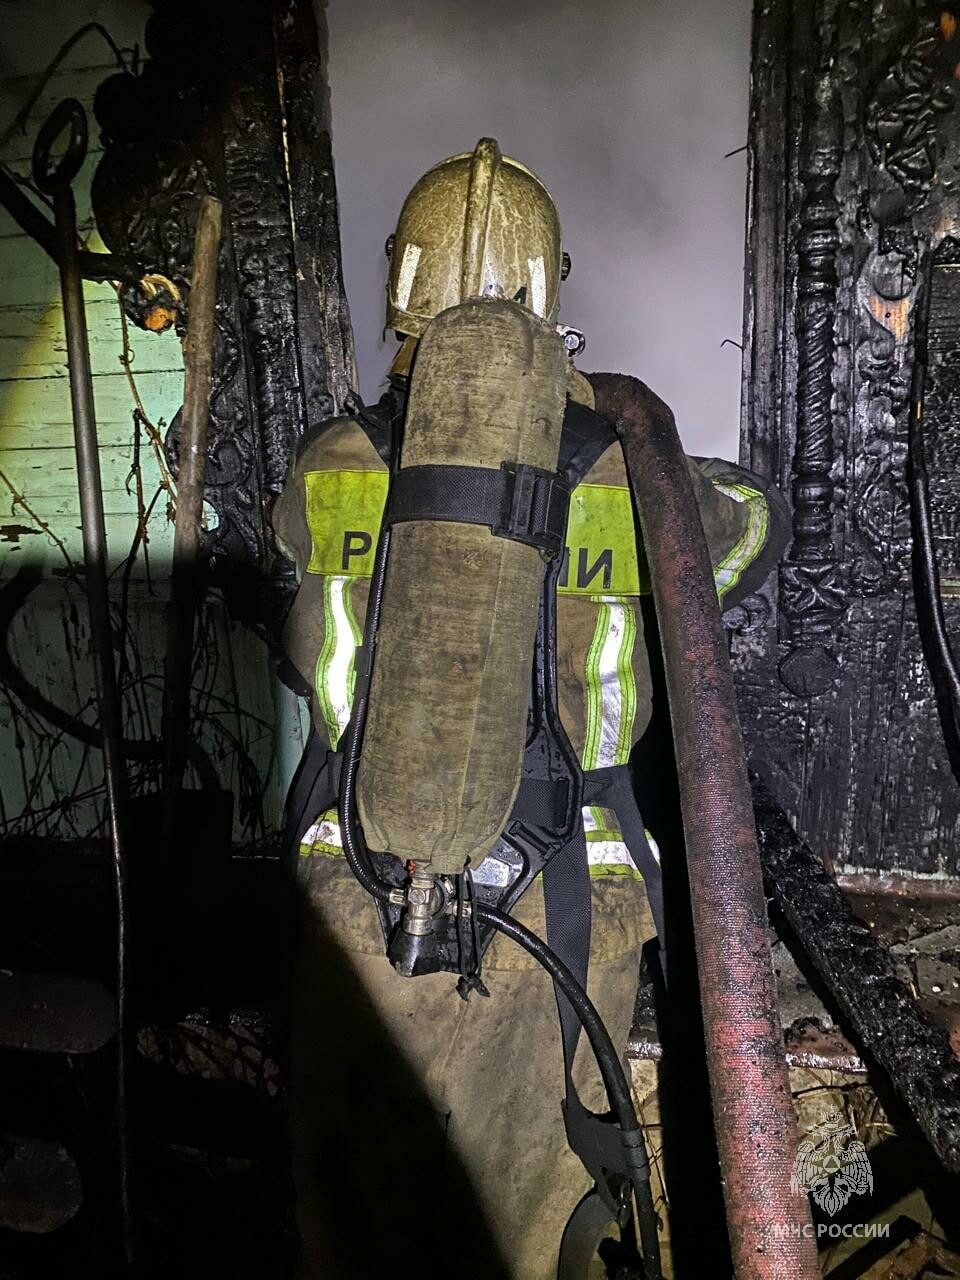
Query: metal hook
column 69, row 114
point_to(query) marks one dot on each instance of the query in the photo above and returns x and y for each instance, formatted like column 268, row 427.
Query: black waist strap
column 525, row 504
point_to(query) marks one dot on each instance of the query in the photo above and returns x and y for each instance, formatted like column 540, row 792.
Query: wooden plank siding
column 36, row 432
column 248, row 725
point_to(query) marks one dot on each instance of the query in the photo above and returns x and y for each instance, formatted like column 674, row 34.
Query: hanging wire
column 19, row 121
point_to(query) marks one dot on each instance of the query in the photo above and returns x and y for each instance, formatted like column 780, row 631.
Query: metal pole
column 93, row 266
column 198, row 379
column 56, row 180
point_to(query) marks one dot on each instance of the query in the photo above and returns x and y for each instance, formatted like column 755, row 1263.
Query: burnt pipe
column 753, row 1111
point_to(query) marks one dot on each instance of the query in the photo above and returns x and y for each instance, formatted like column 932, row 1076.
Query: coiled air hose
column 608, row 1060
column 771, row 1236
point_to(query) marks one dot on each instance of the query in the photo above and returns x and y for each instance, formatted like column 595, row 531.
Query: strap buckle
column 534, row 508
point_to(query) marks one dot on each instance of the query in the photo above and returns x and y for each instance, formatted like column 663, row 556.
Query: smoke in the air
column 625, row 108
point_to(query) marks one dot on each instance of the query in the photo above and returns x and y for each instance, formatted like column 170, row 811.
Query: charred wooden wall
column 855, row 147
column 234, row 101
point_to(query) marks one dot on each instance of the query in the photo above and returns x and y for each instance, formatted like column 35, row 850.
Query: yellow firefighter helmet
column 476, row 224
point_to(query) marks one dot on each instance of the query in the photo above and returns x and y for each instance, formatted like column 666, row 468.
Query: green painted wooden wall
column 36, row 435
column 50, row 784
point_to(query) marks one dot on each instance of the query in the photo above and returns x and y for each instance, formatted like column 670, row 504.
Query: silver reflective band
column 741, row 556
column 323, row 837
column 607, row 854
column 610, row 685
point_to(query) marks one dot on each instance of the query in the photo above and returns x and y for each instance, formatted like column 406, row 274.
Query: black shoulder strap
column 382, row 420
column 586, row 435
column 378, row 421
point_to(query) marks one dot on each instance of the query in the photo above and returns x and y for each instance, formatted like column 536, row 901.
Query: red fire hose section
column 769, row 1225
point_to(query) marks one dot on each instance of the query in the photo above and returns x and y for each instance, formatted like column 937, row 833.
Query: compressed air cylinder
column 447, row 717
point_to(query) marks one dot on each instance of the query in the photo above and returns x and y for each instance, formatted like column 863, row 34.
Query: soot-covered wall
column 855, row 222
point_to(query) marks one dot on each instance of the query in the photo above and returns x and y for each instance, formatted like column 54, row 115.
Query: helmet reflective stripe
column 538, row 285
column 736, row 562
column 408, row 269
column 611, row 685
column 336, row 673
column 607, row 854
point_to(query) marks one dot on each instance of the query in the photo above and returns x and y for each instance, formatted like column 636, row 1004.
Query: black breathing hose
column 354, row 847
column 611, row 1069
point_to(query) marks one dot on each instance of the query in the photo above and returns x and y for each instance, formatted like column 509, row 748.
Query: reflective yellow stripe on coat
column 741, row 556
column 336, row 669
column 610, row 684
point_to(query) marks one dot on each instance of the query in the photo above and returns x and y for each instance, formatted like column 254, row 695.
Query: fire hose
column 769, row 1223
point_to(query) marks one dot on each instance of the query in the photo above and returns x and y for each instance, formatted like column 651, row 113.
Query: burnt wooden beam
column 882, row 1016
column 324, row 331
